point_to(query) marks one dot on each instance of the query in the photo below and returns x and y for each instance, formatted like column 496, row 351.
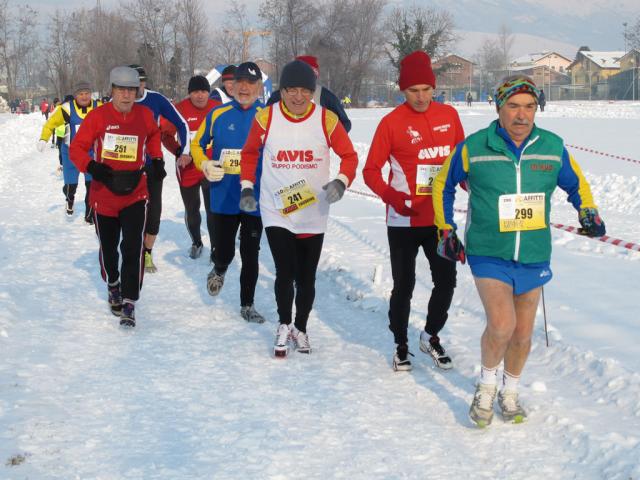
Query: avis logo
column 112, row 127
column 414, row 135
column 434, row 152
column 295, row 155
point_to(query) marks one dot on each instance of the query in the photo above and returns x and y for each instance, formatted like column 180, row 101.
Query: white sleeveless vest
column 294, row 151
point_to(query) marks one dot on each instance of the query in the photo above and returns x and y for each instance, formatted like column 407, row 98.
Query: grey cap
column 124, row 77
column 81, row 86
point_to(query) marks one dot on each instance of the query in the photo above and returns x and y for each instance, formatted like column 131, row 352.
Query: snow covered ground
column 193, row 392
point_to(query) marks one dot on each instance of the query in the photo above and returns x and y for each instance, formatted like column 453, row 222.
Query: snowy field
column 194, row 393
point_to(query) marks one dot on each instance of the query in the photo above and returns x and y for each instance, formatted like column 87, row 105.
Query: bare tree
column 505, row 42
column 100, row 40
column 632, row 36
column 419, row 28
column 292, row 24
column 58, row 59
column 18, row 44
column 155, row 24
column 227, row 46
column 490, row 59
column 193, row 26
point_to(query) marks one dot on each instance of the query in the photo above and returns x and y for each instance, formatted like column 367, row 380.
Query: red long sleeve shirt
column 412, row 142
column 119, row 140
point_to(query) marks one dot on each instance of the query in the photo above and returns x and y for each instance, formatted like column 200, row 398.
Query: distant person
column 194, row 109
column 508, row 233
column 469, row 99
column 321, row 96
column 490, row 100
column 441, row 97
column 44, row 108
column 542, row 100
column 224, row 93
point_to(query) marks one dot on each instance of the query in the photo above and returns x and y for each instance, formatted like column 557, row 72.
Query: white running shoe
column 430, row 344
column 511, row 409
column 250, row 314
column 300, row 340
column 401, row 362
column 281, row 344
column 215, row 281
column 481, row 411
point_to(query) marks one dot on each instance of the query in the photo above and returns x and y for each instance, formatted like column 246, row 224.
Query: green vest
column 61, row 130
column 494, row 171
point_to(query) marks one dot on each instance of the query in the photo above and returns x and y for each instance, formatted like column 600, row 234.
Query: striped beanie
column 514, row 85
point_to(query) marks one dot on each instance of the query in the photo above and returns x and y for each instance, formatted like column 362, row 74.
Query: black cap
column 249, row 71
column 227, row 73
column 198, row 82
column 141, row 73
column 298, row 74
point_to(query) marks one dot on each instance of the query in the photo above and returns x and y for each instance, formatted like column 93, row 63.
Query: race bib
column 231, row 160
column 295, row 197
column 123, row 148
column 425, row 175
column 521, row 211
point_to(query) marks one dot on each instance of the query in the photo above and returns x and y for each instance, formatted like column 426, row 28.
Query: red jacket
column 119, row 140
column 411, row 142
column 44, row 107
column 189, row 175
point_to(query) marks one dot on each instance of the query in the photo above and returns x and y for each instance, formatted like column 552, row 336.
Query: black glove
column 100, row 171
column 156, row 170
column 335, row 190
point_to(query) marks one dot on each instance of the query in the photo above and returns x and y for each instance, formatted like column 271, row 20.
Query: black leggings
column 296, row 261
column 154, row 209
column 130, row 222
column 225, row 228
column 192, row 217
column 404, row 243
column 69, row 191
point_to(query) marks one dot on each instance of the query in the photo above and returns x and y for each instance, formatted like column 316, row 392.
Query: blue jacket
column 160, row 105
column 226, row 127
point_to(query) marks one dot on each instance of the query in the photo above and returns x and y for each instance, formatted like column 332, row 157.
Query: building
column 590, row 72
column 553, row 61
column 454, row 75
column 624, row 85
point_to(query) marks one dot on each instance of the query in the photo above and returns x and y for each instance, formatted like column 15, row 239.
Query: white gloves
column 42, row 144
column 212, row 170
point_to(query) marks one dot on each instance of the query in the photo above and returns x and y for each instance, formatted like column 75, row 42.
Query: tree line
column 357, row 42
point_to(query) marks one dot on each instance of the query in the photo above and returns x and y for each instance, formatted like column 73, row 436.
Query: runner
column 295, row 137
column 512, row 168
column 194, row 108
column 226, row 128
column 120, row 131
column 159, row 105
column 72, row 112
column 224, row 93
column 414, row 139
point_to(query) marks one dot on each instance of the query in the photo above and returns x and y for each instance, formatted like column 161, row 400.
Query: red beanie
column 415, row 69
column 311, row 61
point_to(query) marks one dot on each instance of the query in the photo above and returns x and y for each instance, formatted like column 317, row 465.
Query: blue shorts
column 522, row 277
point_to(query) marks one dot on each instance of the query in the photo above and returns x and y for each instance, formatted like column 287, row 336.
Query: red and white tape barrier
column 567, row 228
column 610, row 155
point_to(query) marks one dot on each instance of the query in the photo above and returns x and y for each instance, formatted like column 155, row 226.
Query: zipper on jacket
column 516, row 250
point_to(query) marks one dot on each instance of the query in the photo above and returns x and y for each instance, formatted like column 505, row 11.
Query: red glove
column 397, row 199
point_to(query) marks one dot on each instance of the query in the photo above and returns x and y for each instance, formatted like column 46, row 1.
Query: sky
column 573, row 23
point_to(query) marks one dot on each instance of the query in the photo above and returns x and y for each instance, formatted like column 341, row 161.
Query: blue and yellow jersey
column 225, row 130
